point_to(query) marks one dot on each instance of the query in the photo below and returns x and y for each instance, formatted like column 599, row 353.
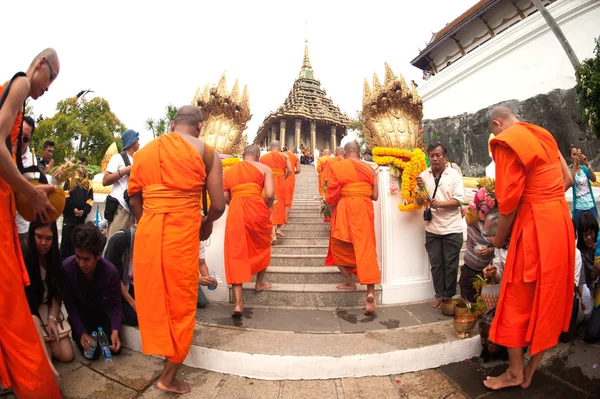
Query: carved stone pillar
column 297, row 130
column 333, row 138
column 313, row 136
column 282, row 124
column 273, row 133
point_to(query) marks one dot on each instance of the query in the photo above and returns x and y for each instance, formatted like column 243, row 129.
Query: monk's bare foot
column 262, row 286
column 527, row 376
column 508, row 379
column 280, row 233
column 177, row 386
column 371, row 307
column 346, row 287
column 437, row 302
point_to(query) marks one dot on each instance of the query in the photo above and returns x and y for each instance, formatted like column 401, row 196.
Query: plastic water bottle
column 103, row 341
column 90, row 352
column 213, row 275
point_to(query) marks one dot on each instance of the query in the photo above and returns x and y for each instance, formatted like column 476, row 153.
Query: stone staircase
column 297, row 269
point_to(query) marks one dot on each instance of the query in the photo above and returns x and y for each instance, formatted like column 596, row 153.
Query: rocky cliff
column 466, row 135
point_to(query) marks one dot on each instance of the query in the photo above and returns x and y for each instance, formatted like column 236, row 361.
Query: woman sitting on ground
column 44, row 294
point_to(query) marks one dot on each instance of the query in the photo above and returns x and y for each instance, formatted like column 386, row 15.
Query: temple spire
column 306, row 71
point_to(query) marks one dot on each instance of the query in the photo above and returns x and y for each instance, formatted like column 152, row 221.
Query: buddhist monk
column 248, row 229
column 282, row 168
column 290, row 182
column 339, row 156
column 351, row 188
column 165, row 188
column 321, row 168
column 23, row 364
column 536, row 295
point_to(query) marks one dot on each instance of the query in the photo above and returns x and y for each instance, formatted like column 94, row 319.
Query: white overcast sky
column 143, row 55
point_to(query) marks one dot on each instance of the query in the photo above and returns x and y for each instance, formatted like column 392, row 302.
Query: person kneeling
column 44, row 293
column 92, row 291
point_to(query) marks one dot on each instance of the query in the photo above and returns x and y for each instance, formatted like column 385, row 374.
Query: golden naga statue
column 112, row 150
column 225, row 116
column 392, row 113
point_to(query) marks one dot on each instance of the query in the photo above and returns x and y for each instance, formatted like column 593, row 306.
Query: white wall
column 519, row 63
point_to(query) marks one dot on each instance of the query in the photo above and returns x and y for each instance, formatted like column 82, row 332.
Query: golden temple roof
column 306, row 100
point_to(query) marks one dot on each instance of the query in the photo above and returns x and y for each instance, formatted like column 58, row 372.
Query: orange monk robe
column 352, row 238
column 536, row 296
column 248, row 228
column 290, row 182
column 331, row 161
column 23, row 363
column 170, row 175
column 321, row 161
column 278, row 165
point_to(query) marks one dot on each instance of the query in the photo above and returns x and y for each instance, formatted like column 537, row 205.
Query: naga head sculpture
column 392, row 113
column 112, row 150
column 225, row 116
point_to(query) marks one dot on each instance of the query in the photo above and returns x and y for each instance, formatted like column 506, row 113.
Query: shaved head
column 326, row 152
column 42, row 71
column 352, row 148
column 502, row 112
column 339, row 152
column 48, row 54
column 189, row 115
column 501, row 119
column 275, row 145
column 252, row 151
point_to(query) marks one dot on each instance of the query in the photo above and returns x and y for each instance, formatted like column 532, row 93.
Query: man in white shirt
column 28, row 159
column 443, row 224
column 117, row 173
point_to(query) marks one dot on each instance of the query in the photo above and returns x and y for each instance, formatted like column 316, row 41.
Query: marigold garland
column 227, row 163
column 411, row 162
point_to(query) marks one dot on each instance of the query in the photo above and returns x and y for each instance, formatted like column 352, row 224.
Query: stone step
column 306, row 226
column 302, row 233
column 303, row 275
column 305, row 219
column 289, row 240
column 314, row 213
column 315, row 222
column 288, row 249
column 315, row 295
column 297, row 260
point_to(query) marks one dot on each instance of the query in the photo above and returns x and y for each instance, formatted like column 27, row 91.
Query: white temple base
column 490, row 170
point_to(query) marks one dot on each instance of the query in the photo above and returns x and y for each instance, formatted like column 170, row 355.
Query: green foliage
column 588, row 90
column 357, row 124
column 91, row 122
column 162, row 125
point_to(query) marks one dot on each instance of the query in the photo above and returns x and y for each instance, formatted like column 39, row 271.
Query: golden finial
column 404, row 86
column 416, row 99
column 366, row 93
column 377, row 89
column 235, row 91
column 197, row 97
column 390, row 78
column 222, row 86
column 206, row 94
column 246, row 99
column 306, row 60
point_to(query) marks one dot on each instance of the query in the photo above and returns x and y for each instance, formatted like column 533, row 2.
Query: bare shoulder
column 285, row 155
column 261, row 166
column 369, row 166
column 19, row 90
column 195, row 142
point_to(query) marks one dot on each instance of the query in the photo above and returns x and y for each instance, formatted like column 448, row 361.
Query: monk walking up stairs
column 321, row 161
column 282, row 168
column 165, row 187
column 248, row 229
column 339, row 156
column 290, row 182
column 351, row 189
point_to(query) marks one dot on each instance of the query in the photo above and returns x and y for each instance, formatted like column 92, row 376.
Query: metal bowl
column 448, row 305
column 461, row 309
column 463, row 325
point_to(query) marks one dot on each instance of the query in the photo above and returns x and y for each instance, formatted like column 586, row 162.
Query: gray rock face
column 466, row 136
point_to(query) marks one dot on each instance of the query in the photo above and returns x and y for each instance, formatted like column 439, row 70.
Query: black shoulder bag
column 427, row 215
column 127, row 163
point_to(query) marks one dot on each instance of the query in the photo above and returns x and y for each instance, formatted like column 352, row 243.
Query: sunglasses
column 52, row 74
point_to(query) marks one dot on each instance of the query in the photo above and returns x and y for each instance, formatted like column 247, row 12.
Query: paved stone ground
column 572, row 371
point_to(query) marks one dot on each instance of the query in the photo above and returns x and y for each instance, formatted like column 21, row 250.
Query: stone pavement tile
column 469, row 376
column 426, row 314
column 369, row 387
column 84, row 383
column 78, row 361
column 240, row 387
column 310, row 389
column 300, row 320
column 221, row 314
column 577, row 366
column 203, row 383
column 132, row 369
column 542, row 386
column 354, row 320
column 425, row 384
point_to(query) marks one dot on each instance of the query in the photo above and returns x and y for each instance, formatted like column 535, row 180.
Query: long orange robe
column 321, row 161
column 248, row 227
column 352, row 237
column 326, row 168
column 536, row 295
column 278, row 165
column 23, row 363
column 290, row 182
column 170, row 174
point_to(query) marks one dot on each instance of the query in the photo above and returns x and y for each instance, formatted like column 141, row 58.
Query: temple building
column 307, row 119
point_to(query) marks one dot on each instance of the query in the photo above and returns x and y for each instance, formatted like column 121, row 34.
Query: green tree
column 90, row 123
column 357, row 125
column 162, row 125
column 588, row 90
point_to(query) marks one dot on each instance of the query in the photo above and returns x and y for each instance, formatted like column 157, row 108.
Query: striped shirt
column 474, row 238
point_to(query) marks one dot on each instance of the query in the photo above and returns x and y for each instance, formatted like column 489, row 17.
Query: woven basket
column 490, row 295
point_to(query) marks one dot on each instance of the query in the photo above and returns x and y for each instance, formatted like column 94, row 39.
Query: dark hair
column 433, row 146
column 88, row 238
column 571, row 146
column 53, row 263
column 29, row 120
column 82, row 160
column 48, row 143
column 587, row 222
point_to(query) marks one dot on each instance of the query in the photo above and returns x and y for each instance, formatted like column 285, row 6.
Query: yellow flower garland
column 412, row 163
column 229, row 162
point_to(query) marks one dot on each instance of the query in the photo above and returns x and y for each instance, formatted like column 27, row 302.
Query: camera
column 427, row 216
